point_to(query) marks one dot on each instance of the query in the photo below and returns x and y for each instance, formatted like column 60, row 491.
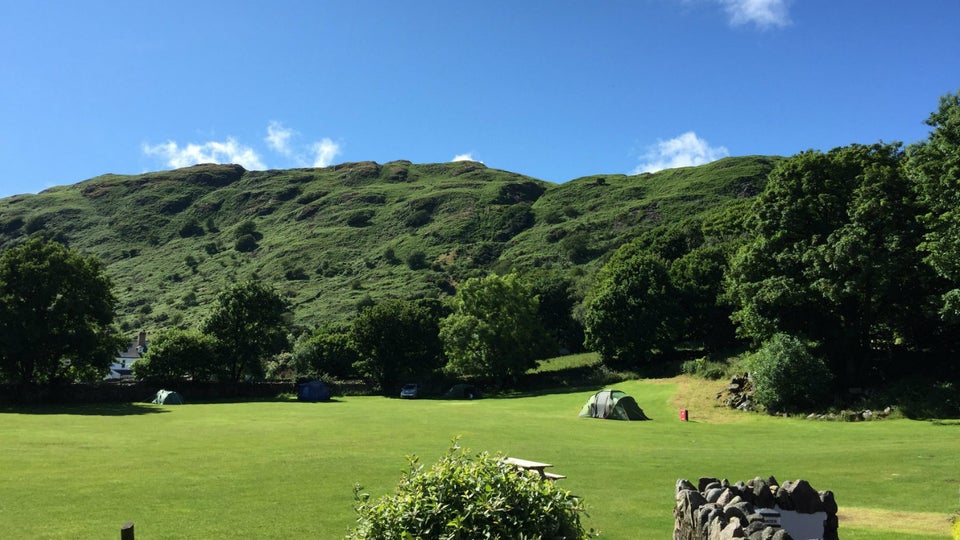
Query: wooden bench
column 536, row 466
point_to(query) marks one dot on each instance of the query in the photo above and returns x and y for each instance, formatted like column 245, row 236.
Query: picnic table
column 536, row 466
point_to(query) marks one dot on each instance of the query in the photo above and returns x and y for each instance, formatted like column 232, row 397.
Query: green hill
column 334, row 238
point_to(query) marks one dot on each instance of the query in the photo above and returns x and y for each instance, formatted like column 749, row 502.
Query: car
column 409, row 391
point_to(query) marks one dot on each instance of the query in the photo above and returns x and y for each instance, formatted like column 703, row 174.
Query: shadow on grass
column 97, row 409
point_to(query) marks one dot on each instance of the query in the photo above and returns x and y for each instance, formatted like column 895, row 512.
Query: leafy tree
column 698, row 279
column 328, row 352
column 632, row 310
column 555, row 309
column 834, row 259
column 56, row 312
column 178, row 354
column 788, row 377
column 250, row 324
column 934, row 165
column 395, row 339
column 494, row 328
column 470, row 497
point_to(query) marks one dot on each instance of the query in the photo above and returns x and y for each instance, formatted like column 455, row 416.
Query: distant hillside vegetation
column 352, row 234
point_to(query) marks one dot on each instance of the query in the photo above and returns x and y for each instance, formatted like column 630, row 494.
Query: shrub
column 463, row 497
column 788, row 377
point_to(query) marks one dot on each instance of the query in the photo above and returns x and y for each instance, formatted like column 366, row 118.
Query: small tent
column 168, row 397
column 313, row 391
column 613, row 405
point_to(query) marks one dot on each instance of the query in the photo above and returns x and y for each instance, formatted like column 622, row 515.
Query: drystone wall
column 756, row 510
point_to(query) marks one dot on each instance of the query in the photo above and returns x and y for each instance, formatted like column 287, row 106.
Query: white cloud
column 762, row 13
column 229, row 151
column 324, row 152
column 278, row 138
column 465, row 157
column 683, row 151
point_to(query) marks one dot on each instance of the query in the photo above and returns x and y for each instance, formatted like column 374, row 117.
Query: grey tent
column 168, row 397
column 613, row 405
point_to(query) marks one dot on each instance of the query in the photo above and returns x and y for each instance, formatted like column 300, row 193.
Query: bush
column 788, row 377
column 460, row 497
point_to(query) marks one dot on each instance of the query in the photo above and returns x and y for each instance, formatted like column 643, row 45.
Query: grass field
column 285, row 469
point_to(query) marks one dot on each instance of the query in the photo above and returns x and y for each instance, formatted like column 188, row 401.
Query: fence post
column 126, row 532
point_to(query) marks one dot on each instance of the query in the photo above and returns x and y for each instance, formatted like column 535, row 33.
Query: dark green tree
column 494, row 328
column 632, row 311
column 328, row 352
column 555, row 309
column 178, row 354
column 934, row 165
column 249, row 322
column 834, row 260
column 698, row 279
column 396, row 340
column 56, row 315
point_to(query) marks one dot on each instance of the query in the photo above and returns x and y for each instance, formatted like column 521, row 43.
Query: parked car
column 409, row 391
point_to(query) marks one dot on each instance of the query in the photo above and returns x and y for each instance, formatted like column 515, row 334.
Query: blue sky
column 555, row 89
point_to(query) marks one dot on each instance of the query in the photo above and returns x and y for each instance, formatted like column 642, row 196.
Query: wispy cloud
column 324, row 151
column 762, row 13
column 684, row 151
column 229, row 151
column 278, row 138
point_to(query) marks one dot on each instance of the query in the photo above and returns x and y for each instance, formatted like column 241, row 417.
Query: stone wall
column 757, row 510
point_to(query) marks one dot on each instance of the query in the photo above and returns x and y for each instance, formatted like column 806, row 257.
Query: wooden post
column 126, row 532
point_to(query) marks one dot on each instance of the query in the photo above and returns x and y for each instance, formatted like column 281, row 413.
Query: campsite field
column 285, row 469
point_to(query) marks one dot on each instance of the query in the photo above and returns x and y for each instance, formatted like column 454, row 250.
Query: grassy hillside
column 333, row 238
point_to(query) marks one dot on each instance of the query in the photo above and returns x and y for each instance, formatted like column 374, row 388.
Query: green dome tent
column 168, row 397
column 612, row 405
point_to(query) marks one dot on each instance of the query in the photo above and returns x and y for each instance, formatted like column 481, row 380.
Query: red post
column 683, row 415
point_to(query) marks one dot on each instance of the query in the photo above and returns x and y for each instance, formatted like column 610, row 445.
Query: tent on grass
column 168, row 397
column 612, row 405
column 313, row 391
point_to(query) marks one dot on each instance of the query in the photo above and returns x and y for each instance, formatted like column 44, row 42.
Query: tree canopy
column 56, row 315
column 494, row 328
column 632, row 311
column 395, row 339
column 249, row 322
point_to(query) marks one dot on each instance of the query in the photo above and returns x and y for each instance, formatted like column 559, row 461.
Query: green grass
column 285, row 469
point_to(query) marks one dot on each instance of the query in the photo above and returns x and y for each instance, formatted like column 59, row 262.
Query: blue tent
column 313, row 391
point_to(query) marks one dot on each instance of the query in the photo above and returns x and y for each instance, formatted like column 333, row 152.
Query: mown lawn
column 286, row 469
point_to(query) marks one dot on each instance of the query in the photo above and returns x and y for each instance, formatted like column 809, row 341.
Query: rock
column 805, row 499
column 867, row 415
column 829, row 503
column 705, row 482
column 726, row 497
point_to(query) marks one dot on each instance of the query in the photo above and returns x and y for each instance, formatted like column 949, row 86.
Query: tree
column 328, row 352
column 470, row 497
column 250, row 324
column 934, row 165
column 177, row 354
column 555, row 309
column 56, row 312
column 698, row 279
column 494, row 329
column 834, row 261
column 395, row 339
column 632, row 310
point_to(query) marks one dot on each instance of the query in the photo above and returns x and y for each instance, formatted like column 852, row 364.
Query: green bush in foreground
column 465, row 498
